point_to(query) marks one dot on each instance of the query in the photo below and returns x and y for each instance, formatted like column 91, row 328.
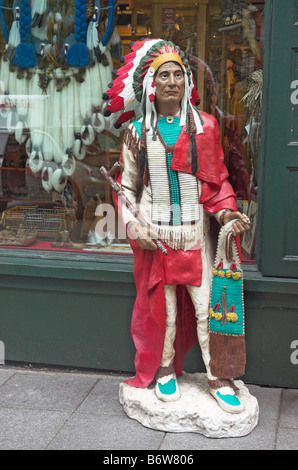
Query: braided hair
column 25, row 53
column 77, row 55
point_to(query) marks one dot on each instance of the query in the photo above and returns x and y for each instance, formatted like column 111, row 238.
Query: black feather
column 142, row 161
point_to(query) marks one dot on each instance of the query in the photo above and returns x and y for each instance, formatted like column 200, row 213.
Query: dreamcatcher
column 54, row 70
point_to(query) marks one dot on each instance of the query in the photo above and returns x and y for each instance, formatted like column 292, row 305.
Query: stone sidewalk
column 46, row 409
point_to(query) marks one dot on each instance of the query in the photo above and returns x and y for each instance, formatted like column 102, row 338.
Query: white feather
column 40, row 32
column 98, row 122
column 115, row 38
column 22, row 105
column 96, row 91
column 85, row 96
column 4, row 74
column 92, row 36
column 19, row 132
column 35, row 161
column 48, row 151
column 197, row 121
column 47, row 183
column 70, row 112
column 90, row 135
column 68, row 165
column 38, row 7
column 14, row 38
column 36, row 115
column 79, row 150
column 59, row 182
column 11, row 121
column 56, row 122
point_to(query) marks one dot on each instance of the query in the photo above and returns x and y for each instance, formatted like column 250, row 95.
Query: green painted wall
column 57, row 312
column 75, row 311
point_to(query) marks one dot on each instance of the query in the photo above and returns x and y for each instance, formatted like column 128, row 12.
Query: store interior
column 57, row 201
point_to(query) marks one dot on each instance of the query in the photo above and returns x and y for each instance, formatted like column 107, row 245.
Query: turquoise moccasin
column 167, row 389
column 227, row 400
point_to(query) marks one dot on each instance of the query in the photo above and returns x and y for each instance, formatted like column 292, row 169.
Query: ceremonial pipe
column 119, row 192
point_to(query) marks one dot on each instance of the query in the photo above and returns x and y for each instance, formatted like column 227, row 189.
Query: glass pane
column 51, row 198
column 224, row 41
column 53, row 135
column 233, row 93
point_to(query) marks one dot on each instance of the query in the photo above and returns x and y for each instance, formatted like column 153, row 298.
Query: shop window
column 54, row 137
column 234, row 57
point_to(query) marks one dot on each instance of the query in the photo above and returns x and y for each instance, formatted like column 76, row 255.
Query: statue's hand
column 142, row 236
column 240, row 225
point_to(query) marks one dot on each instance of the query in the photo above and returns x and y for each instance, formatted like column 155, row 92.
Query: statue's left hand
column 240, row 225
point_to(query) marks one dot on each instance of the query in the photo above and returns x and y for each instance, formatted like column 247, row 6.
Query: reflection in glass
column 234, row 75
column 224, row 42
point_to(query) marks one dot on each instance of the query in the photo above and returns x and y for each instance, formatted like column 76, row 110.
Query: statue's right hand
column 142, row 236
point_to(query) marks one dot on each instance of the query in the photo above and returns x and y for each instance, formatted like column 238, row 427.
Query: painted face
column 170, row 84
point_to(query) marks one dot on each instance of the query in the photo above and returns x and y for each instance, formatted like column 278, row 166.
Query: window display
column 57, row 60
column 235, row 56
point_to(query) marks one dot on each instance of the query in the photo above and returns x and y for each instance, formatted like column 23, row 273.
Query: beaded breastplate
column 175, row 211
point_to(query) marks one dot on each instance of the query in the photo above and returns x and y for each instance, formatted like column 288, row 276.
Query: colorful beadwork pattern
column 232, row 323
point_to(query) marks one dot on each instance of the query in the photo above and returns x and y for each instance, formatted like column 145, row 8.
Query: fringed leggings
column 200, row 299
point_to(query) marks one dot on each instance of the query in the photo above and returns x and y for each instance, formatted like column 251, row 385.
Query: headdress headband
column 166, row 57
column 133, row 91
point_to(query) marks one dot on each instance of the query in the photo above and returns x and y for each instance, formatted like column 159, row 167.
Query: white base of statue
column 195, row 411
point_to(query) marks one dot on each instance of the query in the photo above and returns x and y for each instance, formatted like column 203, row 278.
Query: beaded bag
column 227, row 329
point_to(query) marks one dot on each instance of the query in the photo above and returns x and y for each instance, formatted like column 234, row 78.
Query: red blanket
column 151, row 271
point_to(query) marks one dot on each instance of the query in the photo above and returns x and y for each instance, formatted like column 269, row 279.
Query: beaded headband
column 166, row 57
column 132, row 93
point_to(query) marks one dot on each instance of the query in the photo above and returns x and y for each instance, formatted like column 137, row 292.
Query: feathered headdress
column 133, row 91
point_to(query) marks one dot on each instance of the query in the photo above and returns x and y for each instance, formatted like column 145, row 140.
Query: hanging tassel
column 14, row 35
column 5, row 78
column 142, row 153
column 77, row 55
column 97, row 120
column 47, row 178
column 143, row 161
column 87, row 132
column 22, row 105
column 36, row 120
column 12, row 120
column 79, row 150
column 25, row 53
column 59, row 180
column 35, row 160
column 68, row 163
column 147, row 102
column 192, row 153
column 19, row 130
column 194, row 161
column 38, row 12
column 92, row 36
column 185, row 100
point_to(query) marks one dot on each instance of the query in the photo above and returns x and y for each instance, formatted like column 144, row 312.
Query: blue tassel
column 25, row 56
column 77, row 55
column 25, row 52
